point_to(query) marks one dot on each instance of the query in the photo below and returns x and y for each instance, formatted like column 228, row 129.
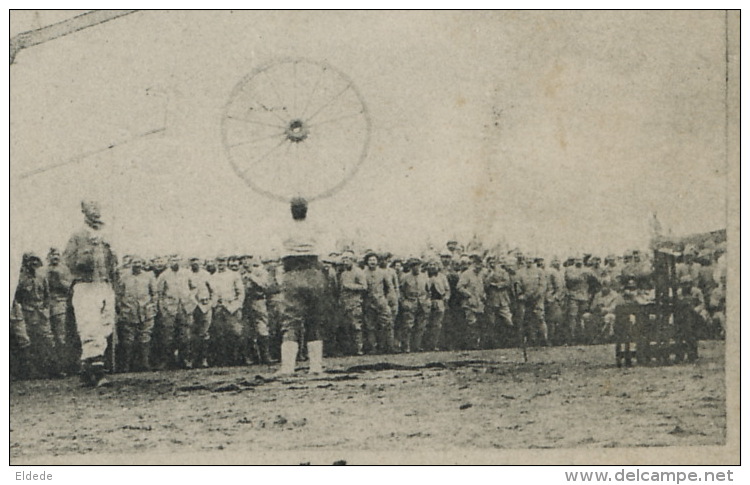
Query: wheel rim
column 296, row 128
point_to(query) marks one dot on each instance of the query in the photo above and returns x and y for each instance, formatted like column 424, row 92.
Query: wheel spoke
column 264, row 157
column 349, row 85
column 335, row 120
column 256, row 140
column 315, row 89
column 237, row 118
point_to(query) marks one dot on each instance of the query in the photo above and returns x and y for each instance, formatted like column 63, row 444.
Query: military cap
column 221, row 257
column 412, row 261
column 445, row 253
column 194, row 258
column 31, row 256
column 475, row 257
column 53, row 251
column 369, row 254
column 348, row 254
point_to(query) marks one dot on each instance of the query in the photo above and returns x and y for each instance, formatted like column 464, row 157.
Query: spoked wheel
column 296, row 128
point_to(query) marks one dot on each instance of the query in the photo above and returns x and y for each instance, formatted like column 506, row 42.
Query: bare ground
column 564, row 397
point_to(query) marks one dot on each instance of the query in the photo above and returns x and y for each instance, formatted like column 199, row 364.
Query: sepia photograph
column 367, row 237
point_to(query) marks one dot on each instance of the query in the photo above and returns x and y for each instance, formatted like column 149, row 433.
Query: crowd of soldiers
column 226, row 311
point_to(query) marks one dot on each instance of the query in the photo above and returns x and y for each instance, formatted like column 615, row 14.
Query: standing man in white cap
column 93, row 264
column 303, row 291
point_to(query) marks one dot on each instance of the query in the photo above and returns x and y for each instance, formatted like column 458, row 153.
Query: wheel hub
column 297, row 131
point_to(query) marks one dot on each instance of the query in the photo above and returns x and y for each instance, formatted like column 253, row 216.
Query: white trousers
column 94, row 307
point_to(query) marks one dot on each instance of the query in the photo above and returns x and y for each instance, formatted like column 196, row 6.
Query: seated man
column 601, row 317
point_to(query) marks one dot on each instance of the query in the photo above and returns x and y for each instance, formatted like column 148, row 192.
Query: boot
column 185, row 359
column 126, row 357
column 288, row 358
column 265, row 358
column 200, row 355
column 315, row 351
column 93, row 373
column 252, row 356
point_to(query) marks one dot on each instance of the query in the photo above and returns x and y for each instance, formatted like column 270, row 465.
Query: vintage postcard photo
column 374, row 237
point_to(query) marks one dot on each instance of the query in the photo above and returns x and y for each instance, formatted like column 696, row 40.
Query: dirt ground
column 564, row 397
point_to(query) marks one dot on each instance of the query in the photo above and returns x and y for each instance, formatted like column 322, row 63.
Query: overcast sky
column 551, row 131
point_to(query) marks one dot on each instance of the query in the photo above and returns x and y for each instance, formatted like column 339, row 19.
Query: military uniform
column 414, row 308
column 227, row 328
column 471, row 287
column 499, row 316
column 32, row 296
column 438, row 293
column 59, row 281
column 601, row 318
column 274, row 303
column 577, row 285
column 378, row 320
column 255, row 314
column 200, row 306
column 20, row 342
column 531, row 302
column 138, row 307
column 352, row 286
column 554, row 299
column 173, row 333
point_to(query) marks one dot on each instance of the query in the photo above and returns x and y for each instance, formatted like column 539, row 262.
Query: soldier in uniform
column 20, row 342
column 414, row 308
column 610, row 273
column 553, row 301
column 577, row 285
column 471, row 287
column 393, row 296
column 499, row 316
column 438, row 292
column 453, row 307
column 601, row 317
column 200, row 307
column 229, row 293
column 274, row 303
column 353, row 286
column 59, row 280
column 32, row 295
column 93, row 265
column 534, row 283
column 172, row 342
column 137, row 300
column 378, row 321
column 255, row 311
